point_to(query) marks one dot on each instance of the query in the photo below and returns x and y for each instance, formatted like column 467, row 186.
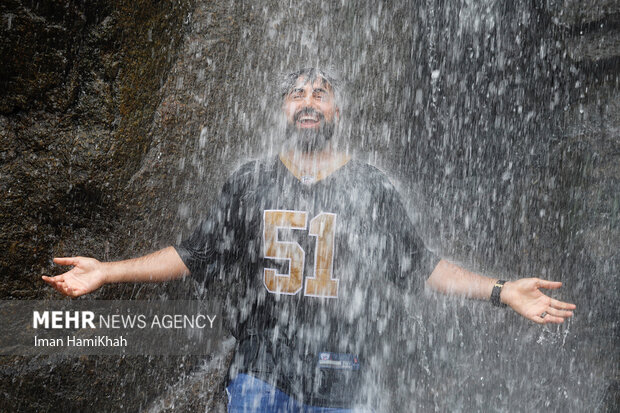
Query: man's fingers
column 53, row 280
column 559, row 313
column 61, row 288
column 66, row 290
column 65, row 260
column 56, row 284
column 552, row 319
column 59, row 284
column 552, row 315
column 550, row 285
column 56, row 278
column 548, row 318
column 561, row 305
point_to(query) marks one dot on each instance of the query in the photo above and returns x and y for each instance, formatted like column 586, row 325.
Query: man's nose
column 308, row 101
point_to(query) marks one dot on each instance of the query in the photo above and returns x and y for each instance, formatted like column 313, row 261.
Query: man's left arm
column 524, row 295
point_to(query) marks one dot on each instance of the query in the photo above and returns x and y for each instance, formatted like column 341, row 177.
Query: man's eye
column 297, row 96
column 320, row 96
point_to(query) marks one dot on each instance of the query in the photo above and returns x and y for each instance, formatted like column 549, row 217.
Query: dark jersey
column 311, row 273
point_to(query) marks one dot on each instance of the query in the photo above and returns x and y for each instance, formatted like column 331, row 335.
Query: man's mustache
column 307, row 111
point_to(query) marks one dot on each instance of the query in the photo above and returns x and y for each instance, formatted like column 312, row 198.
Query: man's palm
column 525, row 297
column 85, row 276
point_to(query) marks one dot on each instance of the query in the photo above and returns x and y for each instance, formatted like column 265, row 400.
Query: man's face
column 311, row 114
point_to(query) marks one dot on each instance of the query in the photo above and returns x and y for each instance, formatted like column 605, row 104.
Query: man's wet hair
column 311, row 74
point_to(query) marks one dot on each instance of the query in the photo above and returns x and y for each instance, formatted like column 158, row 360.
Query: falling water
column 469, row 107
column 463, row 104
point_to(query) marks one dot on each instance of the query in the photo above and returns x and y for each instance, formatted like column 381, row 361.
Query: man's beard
column 310, row 139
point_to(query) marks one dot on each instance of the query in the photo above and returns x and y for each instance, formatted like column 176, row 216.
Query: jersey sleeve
column 411, row 262
column 214, row 243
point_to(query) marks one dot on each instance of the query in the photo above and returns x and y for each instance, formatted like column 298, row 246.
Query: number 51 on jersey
column 321, row 283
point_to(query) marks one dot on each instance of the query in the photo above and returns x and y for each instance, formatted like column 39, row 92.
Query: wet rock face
column 570, row 13
column 80, row 89
column 93, row 383
column 589, row 33
column 79, row 85
column 525, row 124
column 591, row 149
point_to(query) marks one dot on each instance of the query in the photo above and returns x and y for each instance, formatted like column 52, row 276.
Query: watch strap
column 495, row 293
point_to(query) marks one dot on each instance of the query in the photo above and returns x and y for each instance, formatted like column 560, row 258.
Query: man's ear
column 337, row 114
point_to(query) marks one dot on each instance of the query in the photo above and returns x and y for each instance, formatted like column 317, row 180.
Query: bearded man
column 317, row 254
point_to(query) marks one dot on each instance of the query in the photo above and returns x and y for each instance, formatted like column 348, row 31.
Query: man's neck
column 310, row 167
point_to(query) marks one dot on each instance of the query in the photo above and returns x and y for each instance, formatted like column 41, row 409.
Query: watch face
column 495, row 293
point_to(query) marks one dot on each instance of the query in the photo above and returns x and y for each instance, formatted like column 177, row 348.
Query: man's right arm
column 88, row 274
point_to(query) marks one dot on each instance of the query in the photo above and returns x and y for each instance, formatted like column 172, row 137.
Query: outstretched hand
column 85, row 276
column 526, row 298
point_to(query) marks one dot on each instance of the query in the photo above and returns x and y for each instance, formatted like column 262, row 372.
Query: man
column 317, row 254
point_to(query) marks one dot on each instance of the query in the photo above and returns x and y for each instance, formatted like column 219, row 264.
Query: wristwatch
column 497, row 290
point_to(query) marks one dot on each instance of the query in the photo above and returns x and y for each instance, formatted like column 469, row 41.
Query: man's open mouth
column 308, row 118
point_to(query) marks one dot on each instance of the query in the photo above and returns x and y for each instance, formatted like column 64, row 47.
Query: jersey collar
column 324, row 169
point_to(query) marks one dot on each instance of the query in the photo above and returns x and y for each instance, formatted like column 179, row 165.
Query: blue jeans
column 248, row 394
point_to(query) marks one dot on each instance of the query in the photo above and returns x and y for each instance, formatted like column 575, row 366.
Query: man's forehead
column 318, row 81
